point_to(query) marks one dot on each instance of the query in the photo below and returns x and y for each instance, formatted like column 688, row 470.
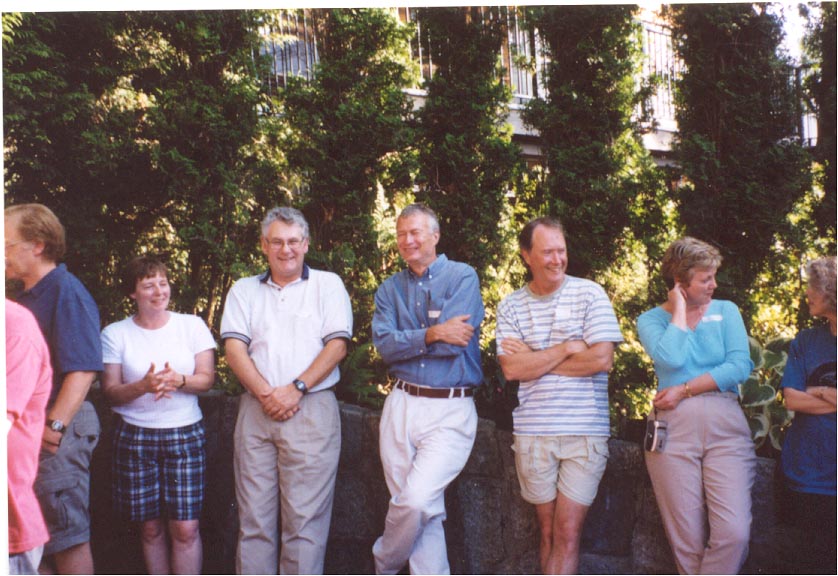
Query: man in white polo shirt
column 556, row 335
column 285, row 331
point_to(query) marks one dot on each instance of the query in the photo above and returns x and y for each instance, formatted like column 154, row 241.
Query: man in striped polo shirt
column 556, row 335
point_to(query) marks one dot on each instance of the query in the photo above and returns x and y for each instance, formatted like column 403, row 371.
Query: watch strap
column 56, row 425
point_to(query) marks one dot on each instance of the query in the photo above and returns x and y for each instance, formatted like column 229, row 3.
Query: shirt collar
column 432, row 270
column 44, row 283
column 267, row 275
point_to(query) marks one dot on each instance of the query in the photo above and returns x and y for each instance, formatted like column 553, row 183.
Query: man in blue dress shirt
column 426, row 328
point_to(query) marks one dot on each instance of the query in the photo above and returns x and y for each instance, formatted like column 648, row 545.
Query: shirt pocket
column 568, row 324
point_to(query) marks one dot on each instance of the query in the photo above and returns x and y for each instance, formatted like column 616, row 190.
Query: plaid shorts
column 154, row 468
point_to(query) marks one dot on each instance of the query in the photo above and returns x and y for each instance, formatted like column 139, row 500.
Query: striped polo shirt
column 556, row 405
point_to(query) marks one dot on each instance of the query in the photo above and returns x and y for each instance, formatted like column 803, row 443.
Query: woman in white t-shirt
column 156, row 361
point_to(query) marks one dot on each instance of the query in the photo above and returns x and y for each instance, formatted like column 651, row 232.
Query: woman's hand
column 669, row 398
column 677, row 304
column 169, row 382
column 677, row 298
column 151, row 382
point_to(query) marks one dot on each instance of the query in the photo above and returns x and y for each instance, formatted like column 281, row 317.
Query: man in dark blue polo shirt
column 69, row 319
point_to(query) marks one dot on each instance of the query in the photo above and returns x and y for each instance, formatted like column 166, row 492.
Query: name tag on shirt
column 434, row 314
column 712, row 318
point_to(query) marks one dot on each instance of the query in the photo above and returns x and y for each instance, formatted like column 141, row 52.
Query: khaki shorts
column 572, row 465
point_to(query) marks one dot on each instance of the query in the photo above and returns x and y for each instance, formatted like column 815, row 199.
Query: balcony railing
column 291, row 41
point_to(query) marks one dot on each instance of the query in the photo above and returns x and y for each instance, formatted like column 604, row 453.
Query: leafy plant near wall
column 760, row 395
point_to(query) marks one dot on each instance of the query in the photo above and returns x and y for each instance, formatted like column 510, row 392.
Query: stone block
column 604, row 564
column 650, row 550
column 485, row 459
column 484, row 542
column 610, row 522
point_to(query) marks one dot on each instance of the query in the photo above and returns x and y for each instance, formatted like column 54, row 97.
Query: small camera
column 655, row 435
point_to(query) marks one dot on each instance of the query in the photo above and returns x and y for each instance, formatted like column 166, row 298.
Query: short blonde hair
column 685, row 255
column 821, row 273
column 37, row 223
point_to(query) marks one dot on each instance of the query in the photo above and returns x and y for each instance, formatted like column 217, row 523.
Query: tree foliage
column 467, row 159
column 139, row 130
column 596, row 166
column 735, row 115
column 821, row 44
column 349, row 136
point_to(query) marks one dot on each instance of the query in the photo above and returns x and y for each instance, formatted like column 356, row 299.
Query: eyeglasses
column 13, row 244
column 278, row 244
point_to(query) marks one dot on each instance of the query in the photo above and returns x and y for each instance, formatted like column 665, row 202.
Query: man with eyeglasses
column 69, row 319
column 285, row 331
column 426, row 327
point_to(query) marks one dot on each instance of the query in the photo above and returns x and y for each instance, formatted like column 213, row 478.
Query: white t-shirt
column 135, row 348
column 286, row 328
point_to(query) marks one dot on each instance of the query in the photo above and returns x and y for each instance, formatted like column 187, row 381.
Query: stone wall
column 490, row 529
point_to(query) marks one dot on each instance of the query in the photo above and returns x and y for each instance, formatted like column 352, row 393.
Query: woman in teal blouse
column 703, row 475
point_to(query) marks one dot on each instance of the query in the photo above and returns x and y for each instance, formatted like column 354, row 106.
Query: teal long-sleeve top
column 718, row 345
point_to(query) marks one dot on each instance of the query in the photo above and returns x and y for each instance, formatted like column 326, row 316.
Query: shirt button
column 420, row 283
column 422, row 365
column 422, row 325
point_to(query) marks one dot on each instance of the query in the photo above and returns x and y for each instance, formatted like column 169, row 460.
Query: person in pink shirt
column 28, row 386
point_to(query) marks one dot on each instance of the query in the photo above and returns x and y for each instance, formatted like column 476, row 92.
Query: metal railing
column 290, row 39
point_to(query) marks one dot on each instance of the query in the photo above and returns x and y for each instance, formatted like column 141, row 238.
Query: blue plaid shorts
column 159, row 468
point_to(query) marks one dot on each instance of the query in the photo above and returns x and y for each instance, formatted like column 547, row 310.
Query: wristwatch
column 56, row 425
column 301, row 386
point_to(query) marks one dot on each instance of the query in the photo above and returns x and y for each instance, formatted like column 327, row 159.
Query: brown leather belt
column 426, row 392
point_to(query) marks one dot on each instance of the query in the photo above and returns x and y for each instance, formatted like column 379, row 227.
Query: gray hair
column 419, row 208
column 821, row 273
column 287, row 215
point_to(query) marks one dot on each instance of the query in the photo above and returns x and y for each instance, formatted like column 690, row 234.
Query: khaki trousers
column 286, row 470
column 702, row 478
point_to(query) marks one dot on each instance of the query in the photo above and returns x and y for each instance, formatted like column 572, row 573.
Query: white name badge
column 434, row 314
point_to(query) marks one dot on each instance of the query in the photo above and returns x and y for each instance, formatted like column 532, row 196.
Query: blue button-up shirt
column 406, row 305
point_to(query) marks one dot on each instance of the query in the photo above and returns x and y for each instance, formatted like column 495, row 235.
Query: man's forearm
column 330, row 356
column 74, row 389
column 531, row 365
column 597, row 358
column 243, row 367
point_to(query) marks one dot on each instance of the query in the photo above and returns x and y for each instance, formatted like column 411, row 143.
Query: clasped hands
column 281, row 403
column 161, row 383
